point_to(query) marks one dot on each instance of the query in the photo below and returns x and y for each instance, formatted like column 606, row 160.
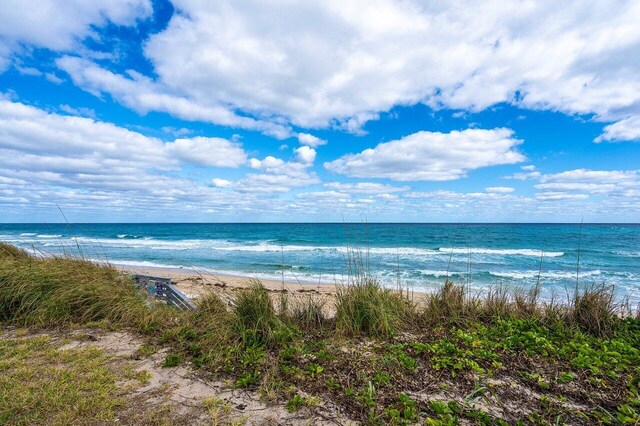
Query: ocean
column 419, row 256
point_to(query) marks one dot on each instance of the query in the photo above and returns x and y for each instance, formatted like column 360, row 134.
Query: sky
column 319, row 111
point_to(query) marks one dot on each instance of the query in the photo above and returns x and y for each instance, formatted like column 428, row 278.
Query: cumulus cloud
column 46, row 138
column 269, row 162
column 276, row 175
column 619, row 183
column 216, row 152
column 69, row 156
column 60, row 24
column 310, row 140
column 339, row 65
column 432, row 156
column 221, row 183
column 305, row 154
column 32, row 130
column 142, row 94
column 624, row 130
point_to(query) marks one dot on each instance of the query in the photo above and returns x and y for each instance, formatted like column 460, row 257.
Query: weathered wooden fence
column 162, row 289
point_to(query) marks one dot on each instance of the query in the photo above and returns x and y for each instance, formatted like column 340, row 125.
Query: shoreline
column 195, row 283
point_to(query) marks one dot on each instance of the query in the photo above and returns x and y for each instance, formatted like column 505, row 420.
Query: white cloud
column 530, row 173
column 336, row 63
column 560, row 196
column 60, row 24
column 623, row 183
column 80, row 111
column 83, row 154
column 624, row 130
column 101, row 170
column 142, row 94
column 310, row 140
column 277, row 175
column 221, row 183
column 365, row 187
column 182, row 131
column 499, row 189
column 31, row 130
column 54, row 138
column 269, row 162
column 215, row 152
column 432, row 156
column 305, row 154
column 292, row 175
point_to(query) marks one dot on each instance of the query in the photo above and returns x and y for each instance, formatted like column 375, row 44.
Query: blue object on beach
column 162, row 289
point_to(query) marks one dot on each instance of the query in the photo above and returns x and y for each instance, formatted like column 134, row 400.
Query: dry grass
column 593, row 310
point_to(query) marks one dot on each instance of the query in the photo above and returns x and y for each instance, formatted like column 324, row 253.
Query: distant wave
column 545, row 274
column 628, row 253
column 267, row 246
column 504, row 252
column 140, row 263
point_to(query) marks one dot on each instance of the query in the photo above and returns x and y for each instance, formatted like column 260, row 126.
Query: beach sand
column 196, row 284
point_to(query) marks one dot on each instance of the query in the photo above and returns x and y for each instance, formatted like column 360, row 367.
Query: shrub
column 365, row 307
column 448, row 304
column 256, row 320
column 593, row 310
column 172, row 360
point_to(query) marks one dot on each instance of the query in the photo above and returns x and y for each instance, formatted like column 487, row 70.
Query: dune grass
column 61, row 291
column 380, row 350
column 366, row 308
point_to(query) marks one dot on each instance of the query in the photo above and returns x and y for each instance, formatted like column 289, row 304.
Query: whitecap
column 502, row 252
column 556, row 275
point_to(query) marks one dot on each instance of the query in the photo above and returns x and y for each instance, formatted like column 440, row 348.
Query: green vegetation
column 366, row 308
column 62, row 291
column 450, row 358
column 42, row 385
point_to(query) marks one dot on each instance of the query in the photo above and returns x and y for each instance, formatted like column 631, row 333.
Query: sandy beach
column 195, row 284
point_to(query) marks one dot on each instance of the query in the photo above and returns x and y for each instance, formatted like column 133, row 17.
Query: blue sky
column 139, row 110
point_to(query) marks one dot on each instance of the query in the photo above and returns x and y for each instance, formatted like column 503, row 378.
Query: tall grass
column 449, row 304
column 64, row 290
column 257, row 321
column 365, row 307
column 57, row 291
column 309, row 313
column 592, row 309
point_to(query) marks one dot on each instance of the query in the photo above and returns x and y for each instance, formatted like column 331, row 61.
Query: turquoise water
column 418, row 255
